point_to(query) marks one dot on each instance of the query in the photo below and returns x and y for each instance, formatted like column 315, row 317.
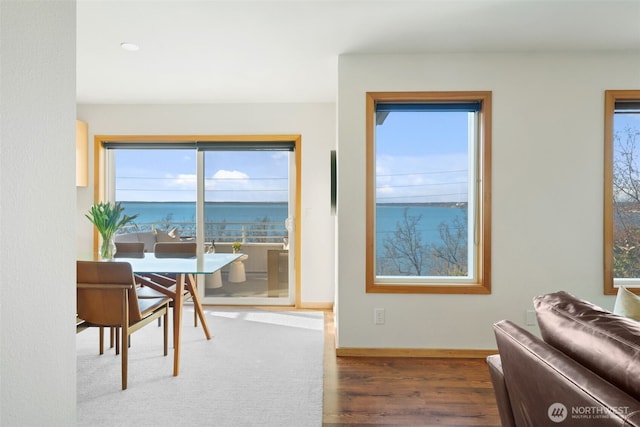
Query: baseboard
column 415, row 352
column 316, row 305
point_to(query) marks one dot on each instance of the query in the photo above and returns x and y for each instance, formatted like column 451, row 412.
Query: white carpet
column 261, row 368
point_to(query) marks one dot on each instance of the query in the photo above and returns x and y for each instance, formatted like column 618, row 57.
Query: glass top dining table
column 202, row 264
column 185, row 269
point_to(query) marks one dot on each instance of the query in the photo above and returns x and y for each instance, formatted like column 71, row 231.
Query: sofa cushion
column 627, row 304
column 146, row 237
column 604, row 342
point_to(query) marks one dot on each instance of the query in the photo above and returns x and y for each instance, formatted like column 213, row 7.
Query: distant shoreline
column 220, row 203
column 419, row 204
column 429, row 204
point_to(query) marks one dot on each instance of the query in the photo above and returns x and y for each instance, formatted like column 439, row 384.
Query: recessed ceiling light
column 131, row 47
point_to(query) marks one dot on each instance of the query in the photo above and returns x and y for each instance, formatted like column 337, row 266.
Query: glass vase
column 108, row 248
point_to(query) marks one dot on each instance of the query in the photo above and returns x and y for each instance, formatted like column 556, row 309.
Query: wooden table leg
column 197, row 305
column 177, row 323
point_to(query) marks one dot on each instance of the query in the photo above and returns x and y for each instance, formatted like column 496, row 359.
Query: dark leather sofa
column 585, row 371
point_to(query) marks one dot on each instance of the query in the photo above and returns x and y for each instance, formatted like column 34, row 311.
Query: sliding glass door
column 226, row 196
column 246, row 209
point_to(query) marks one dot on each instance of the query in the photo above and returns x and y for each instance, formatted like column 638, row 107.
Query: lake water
column 388, row 216
column 185, row 212
column 431, row 216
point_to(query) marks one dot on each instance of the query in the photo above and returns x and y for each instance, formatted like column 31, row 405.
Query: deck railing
column 243, row 232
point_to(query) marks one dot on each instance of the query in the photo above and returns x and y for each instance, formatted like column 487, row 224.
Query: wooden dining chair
column 175, row 249
column 165, row 283
column 107, row 297
column 124, row 250
column 129, row 250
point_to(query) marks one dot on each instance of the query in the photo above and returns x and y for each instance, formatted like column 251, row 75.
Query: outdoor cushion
column 627, row 304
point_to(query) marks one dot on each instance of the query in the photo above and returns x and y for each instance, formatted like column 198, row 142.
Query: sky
column 421, row 157
column 170, row 175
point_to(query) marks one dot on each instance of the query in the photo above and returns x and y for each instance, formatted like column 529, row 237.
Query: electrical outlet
column 378, row 316
column 531, row 318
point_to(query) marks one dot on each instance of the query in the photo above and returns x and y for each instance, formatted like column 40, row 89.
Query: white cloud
column 231, row 175
column 185, row 180
column 229, row 184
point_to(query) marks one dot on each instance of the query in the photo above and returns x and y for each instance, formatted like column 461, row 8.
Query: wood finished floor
column 405, row 391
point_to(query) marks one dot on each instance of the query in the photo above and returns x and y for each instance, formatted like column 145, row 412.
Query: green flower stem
column 108, row 219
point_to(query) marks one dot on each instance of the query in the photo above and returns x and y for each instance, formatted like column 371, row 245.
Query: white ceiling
column 287, row 51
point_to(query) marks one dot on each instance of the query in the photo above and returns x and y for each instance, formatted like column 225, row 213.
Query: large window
column 428, row 192
column 622, row 190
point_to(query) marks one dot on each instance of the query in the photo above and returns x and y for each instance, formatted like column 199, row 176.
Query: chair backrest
column 129, row 249
column 175, row 250
column 102, row 304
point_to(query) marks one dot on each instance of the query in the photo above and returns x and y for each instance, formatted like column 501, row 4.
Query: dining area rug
column 260, row 368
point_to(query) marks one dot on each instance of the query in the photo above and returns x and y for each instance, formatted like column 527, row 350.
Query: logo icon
column 557, row 412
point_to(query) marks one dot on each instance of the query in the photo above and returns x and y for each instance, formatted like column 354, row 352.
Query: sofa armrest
column 500, row 389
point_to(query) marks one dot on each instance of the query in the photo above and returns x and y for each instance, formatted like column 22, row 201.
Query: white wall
column 548, row 113
column 37, row 213
column 316, row 124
